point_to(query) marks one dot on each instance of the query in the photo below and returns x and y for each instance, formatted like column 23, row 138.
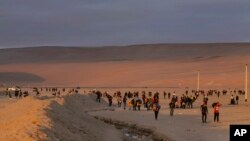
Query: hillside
column 159, row 65
column 123, row 53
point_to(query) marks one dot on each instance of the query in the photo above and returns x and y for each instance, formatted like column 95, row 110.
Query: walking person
column 156, row 109
column 98, row 96
column 169, row 95
column 16, row 93
column 204, row 112
column 216, row 112
column 110, row 99
column 165, row 94
column 119, row 100
column 237, row 99
column 133, row 102
column 138, row 104
column 124, row 100
column 232, row 100
column 129, row 104
column 8, row 93
column 172, row 106
column 156, row 106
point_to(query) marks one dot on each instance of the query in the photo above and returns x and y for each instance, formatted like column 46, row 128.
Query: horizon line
column 100, row 46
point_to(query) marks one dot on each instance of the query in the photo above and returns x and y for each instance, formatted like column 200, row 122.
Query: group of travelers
column 150, row 101
column 17, row 92
column 233, row 100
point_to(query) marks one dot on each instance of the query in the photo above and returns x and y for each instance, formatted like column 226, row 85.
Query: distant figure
column 37, row 93
column 138, row 104
column 8, row 93
column 119, row 100
column 124, row 100
column 143, row 98
column 110, row 99
column 156, row 106
column 173, row 95
column 172, row 106
column 156, row 98
column 218, row 94
column 16, row 93
column 204, row 112
column 98, row 96
column 165, row 94
column 20, row 94
column 150, row 103
column 129, row 104
column 59, row 94
column 237, row 99
column 156, row 109
column 133, row 104
column 232, row 100
column 54, row 94
column 25, row 93
column 216, row 111
column 169, row 95
column 146, row 103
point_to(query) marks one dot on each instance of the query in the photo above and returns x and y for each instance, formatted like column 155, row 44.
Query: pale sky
column 122, row 22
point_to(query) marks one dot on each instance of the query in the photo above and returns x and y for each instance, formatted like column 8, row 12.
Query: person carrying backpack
column 156, row 109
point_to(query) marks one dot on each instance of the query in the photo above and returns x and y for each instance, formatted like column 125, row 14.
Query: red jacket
column 217, row 108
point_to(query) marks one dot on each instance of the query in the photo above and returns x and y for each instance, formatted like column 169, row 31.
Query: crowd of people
column 18, row 93
column 150, row 101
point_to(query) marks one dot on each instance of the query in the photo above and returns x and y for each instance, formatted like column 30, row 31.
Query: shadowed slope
column 69, row 121
column 134, row 52
column 19, row 77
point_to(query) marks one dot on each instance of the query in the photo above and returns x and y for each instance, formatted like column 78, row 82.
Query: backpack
column 156, row 107
column 129, row 103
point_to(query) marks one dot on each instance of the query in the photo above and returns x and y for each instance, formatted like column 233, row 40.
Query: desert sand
column 159, row 67
column 50, row 118
column 77, row 117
